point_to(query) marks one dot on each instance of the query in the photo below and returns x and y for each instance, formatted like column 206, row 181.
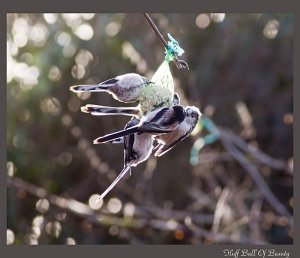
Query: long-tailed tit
column 167, row 141
column 125, row 88
column 98, row 110
column 163, row 120
column 137, row 148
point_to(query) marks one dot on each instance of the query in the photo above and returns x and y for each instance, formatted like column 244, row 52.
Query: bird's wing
column 163, row 121
column 129, row 141
column 109, row 82
column 115, row 135
column 163, row 149
column 151, row 127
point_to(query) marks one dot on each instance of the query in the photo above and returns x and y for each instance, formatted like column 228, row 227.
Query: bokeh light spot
column 73, row 104
column 114, row 230
column 51, row 106
column 129, row 210
column 112, row 29
column 76, row 132
column 172, row 224
column 20, row 39
column 53, row 229
column 94, row 202
column 38, row 221
column 36, row 231
column 70, row 241
column 84, row 95
column 83, row 144
column 179, row 234
column 202, row 21
column 42, row 205
column 54, row 73
column 65, row 158
column 288, row 119
column 31, row 239
column 217, row 17
column 39, row 34
column 63, row 38
column 67, row 120
column 84, row 31
column 10, row 237
column 88, row 16
column 83, row 57
column 78, row 71
column 271, row 29
column 114, row 205
column 11, row 169
column 50, row 18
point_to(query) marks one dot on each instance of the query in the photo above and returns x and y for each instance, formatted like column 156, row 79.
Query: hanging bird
column 167, row 141
column 137, row 148
column 162, row 120
column 98, row 110
column 125, row 88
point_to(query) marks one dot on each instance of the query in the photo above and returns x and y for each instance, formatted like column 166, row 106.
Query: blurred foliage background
column 241, row 77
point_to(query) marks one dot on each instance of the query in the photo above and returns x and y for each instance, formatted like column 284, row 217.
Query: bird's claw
column 181, row 64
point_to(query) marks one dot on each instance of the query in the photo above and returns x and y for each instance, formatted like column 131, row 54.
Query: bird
column 167, row 141
column 98, row 110
column 162, row 120
column 137, row 148
column 124, row 88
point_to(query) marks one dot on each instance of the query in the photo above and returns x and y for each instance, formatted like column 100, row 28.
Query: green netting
column 160, row 92
column 173, row 50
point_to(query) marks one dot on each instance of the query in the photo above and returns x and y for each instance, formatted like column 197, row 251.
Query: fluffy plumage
column 125, row 88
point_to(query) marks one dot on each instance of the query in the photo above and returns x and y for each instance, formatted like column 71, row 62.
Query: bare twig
column 219, row 211
column 155, row 30
column 168, row 221
column 260, row 182
column 256, row 153
column 221, row 237
column 179, row 63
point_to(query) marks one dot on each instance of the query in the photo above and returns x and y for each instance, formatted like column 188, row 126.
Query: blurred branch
column 163, row 223
column 179, row 63
column 222, row 237
column 255, row 152
column 255, row 174
column 219, row 211
column 231, row 142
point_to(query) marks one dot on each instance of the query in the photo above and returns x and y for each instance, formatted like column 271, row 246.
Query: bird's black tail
column 113, row 136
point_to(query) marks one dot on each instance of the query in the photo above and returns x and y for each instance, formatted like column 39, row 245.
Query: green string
column 173, row 49
column 160, row 92
column 206, row 140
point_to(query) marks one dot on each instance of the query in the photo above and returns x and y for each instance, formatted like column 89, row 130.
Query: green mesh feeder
column 160, row 92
